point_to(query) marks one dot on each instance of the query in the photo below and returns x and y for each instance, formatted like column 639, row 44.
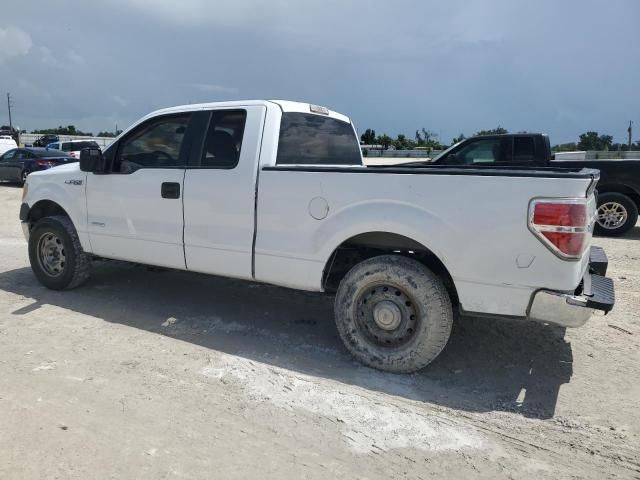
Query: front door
column 135, row 210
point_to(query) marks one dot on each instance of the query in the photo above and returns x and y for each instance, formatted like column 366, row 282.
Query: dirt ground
column 170, row 375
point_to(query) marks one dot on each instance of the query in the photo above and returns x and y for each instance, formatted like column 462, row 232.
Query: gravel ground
column 147, row 374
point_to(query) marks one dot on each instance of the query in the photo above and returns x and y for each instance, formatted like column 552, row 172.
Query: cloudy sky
column 450, row 66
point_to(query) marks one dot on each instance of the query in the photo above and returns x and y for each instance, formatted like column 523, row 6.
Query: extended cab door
column 220, row 193
column 135, row 210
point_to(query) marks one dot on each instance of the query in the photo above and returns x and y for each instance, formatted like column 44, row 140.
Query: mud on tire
column 55, row 254
column 393, row 313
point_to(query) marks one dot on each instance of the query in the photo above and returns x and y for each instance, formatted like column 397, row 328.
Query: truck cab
column 526, row 150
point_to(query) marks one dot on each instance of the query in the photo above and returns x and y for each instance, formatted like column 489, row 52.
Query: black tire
column 75, row 268
column 23, row 176
column 626, row 205
column 412, row 290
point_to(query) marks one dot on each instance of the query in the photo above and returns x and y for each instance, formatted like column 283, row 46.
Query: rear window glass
column 523, row 149
column 315, row 140
column 75, row 146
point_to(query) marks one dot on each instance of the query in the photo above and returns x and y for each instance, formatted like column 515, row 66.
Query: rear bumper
column 596, row 292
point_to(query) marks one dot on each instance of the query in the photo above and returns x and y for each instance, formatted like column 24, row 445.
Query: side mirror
column 91, row 160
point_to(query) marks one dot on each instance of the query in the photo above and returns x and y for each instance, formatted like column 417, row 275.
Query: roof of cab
column 285, row 106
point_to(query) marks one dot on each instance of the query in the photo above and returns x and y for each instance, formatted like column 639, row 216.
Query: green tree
column 385, row 140
column 109, row 134
column 68, row 130
column 368, row 137
column 458, row 139
column 402, row 142
column 593, row 141
column 565, row 147
column 494, row 131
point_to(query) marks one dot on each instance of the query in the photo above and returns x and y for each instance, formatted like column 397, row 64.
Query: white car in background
column 73, row 147
column 7, row 143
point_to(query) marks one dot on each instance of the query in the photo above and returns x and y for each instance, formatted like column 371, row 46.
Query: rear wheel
column 393, row 313
column 617, row 214
column 55, row 254
column 23, row 176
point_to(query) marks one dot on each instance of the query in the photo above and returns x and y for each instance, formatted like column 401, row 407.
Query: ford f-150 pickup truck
column 618, row 189
column 276, row 192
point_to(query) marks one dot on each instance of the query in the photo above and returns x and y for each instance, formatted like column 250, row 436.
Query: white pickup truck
column 276, row 192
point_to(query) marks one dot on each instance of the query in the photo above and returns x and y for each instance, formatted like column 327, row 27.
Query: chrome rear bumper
column 596, row 292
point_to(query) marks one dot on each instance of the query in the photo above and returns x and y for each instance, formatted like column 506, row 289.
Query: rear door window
column 309, row 139
column 223, row 142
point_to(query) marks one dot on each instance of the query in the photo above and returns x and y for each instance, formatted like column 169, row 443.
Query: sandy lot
column 170, row 375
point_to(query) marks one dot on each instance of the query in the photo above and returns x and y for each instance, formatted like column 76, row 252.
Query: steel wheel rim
column 387, row 315
column 51, row 255
column 611, row 215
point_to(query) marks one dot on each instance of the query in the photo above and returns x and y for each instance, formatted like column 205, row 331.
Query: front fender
column 67, row 190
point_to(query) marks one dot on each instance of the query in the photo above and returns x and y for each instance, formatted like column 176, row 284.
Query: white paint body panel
column 129, row 220
column 463, row 219
column 219, row 209
column 476, row 225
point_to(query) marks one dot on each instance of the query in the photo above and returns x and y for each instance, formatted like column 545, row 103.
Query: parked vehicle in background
column 45, row 140
column 618, row 188
column 17, row 164
column 7, row 131
column 7, row 143
column 73, row 147
column 276, row 192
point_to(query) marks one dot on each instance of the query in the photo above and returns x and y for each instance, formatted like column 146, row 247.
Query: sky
column 450, row 66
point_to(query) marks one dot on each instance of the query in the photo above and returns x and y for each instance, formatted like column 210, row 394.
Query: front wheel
column 617, row 214
column 55, row 254
column 393, row 313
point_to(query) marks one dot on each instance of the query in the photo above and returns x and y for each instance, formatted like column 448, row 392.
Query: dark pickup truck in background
column 618, row 189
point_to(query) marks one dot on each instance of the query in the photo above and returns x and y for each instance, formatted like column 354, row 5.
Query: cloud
column 13, row 43
column 48, row 58
column 75, row 57
column 212, row 88
column 119, row 100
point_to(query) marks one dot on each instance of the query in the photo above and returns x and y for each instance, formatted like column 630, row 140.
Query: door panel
column 219, row 197
column 129, row 215
column 129, row 220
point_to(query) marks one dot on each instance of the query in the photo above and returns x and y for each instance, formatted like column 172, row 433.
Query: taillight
column 563, row 225
column 45, row 163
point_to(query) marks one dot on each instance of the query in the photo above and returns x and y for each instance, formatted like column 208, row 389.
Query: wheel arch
column 45, row 208
column 630, row 192
column 371, row 244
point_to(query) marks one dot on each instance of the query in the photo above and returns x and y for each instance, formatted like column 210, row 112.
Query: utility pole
column 629, row 130
column 9, row 107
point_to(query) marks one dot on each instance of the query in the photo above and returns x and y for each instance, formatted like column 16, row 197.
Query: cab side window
column 223, row 142
column 157, row 143
column 483, row 150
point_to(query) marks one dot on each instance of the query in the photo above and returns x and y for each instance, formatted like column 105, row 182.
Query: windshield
column 445, row 152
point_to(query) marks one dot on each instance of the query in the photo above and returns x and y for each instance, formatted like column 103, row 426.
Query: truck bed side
column 474, row 221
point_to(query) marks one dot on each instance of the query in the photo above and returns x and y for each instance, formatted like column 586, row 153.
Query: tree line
column 426, row 139
column 72, row 130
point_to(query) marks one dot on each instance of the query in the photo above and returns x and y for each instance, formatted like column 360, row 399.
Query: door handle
column 170, row 190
